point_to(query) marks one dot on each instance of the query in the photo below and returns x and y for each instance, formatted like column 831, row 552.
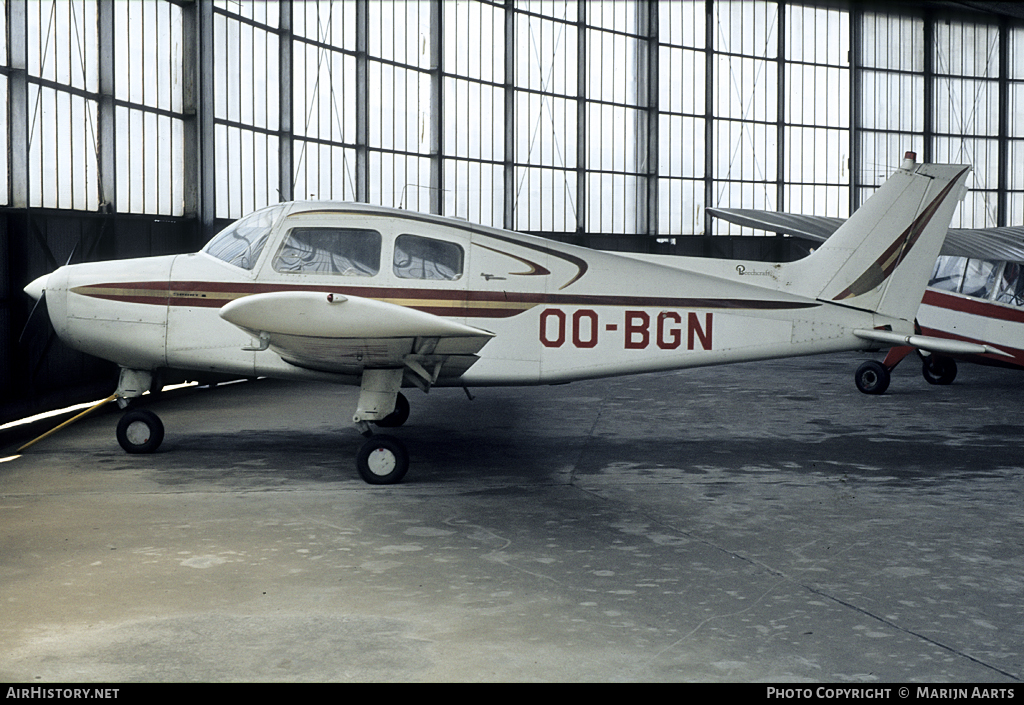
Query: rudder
column 880, row 259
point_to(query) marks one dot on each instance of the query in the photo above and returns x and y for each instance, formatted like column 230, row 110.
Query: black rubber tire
column 140, row 431
column 382, row 460
column 939, row 370
column 872, row 377
column 397, row 417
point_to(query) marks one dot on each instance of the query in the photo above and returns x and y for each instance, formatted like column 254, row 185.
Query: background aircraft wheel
column 872, row 377
column 397, row 417
column 382, row 460
column 939, row 370
column 140, row 431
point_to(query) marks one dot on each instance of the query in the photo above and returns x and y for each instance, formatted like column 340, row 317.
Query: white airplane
column 975, row 296
column 385, row 299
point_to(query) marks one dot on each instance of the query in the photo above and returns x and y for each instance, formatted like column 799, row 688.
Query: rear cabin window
column 418, row 257
column 346, row 252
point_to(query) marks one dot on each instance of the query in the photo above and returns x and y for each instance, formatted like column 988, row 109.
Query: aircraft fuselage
column 557, row 312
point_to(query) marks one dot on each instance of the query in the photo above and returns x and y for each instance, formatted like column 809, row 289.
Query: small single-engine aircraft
column 385, row 299
column 975, row 296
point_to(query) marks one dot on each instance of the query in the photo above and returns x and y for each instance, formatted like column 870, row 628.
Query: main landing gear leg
column 382, row 459
column 139, row 430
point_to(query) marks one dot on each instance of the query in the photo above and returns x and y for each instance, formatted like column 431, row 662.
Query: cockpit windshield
column 241, row 243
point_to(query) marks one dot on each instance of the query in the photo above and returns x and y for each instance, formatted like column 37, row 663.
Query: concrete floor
column 761, row 522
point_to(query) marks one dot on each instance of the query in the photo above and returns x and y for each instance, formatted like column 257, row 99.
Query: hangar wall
column 139, row 127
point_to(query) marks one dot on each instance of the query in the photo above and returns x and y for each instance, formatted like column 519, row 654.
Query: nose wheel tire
column 382, row 460
column 140, row 431
column 872, row 377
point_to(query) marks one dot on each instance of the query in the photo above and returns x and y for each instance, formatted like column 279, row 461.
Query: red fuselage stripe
column 482, row 304
column 975, row 307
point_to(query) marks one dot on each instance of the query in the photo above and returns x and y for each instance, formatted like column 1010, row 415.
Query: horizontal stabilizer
column 928, row 343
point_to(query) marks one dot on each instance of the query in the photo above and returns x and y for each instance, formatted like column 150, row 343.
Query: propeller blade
column 39, row 300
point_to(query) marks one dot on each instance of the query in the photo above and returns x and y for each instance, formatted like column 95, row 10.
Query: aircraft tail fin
column 880, row 259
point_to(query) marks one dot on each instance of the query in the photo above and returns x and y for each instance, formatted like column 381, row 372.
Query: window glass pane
column 1011, row 285
column 948, row 273
column 242, row 242
column 980, row 278
column 344, row 251
column 425, row 258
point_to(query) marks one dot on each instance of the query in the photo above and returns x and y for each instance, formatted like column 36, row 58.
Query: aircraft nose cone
column 37, row 287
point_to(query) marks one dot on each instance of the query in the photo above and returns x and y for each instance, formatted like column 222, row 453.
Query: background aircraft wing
column 993, row 244
column 347, row 334
column 812, row 227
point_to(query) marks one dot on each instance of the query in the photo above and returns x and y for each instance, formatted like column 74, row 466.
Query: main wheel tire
column 382, row 460
column 140, row 431
column 872, row 377
column 397, row 417
column 939, row 370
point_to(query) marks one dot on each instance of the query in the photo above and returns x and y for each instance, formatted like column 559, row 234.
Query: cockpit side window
column 347, row 252
column 948, row 273
column 1011, row 285
column 980, row 278
column 241, row 243
column 418, row 257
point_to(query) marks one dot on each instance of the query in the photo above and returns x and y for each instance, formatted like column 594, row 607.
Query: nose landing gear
column 140, row 431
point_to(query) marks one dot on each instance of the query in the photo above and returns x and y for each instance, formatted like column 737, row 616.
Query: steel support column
column 647, row 80
column 856, row 101
column 362, row 102
column 1003, row 187
column 509, row 168
column 581, row 122
column 197, row 103
column 286, row 132
column 107, row 155
column 436, row 146
column 18, row 112
column 709, row 112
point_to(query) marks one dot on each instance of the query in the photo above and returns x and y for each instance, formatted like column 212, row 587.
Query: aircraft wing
column 994, row 244
column 347, row 334
column 812, row 227
column 929, row 344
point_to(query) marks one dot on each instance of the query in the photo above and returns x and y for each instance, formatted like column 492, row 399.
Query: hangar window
column 242, row 242
column 348, row 252
column 419, row 257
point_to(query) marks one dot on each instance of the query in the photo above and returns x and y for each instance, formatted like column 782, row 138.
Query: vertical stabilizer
column 880, row 259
